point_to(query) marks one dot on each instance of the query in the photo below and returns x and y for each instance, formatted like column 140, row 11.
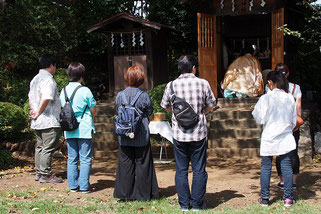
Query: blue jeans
column 79, row 149
column 196, row 153
column 287, row 173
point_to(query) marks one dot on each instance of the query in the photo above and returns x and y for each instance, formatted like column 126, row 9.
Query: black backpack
column 68, row 121
column 183, row 111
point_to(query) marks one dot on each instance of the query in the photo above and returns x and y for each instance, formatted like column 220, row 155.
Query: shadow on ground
column 215, row 199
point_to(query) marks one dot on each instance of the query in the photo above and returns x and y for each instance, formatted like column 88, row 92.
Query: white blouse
column 277, row 112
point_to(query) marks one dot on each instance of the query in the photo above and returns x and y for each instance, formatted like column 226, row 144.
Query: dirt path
column 231, row 183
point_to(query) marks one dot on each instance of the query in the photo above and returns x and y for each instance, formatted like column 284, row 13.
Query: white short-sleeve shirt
column 44, row 87
column 296, row 93
column 276, row 111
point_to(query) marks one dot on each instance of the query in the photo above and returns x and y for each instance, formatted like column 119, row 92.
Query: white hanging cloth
column 121, row 41
column 133, row 40
column 222, row 4
column 112, row 40
column 141, row 39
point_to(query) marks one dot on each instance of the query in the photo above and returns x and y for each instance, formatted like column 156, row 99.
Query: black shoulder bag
column 183, row 111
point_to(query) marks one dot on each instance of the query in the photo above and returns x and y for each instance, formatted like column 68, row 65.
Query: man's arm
column 298, row 106
column 169, row 110
column 208, row 109
column 43, row 104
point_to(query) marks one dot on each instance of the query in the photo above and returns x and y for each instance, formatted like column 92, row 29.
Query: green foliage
column 5, row 158
column 180, row 17
column 16, row 93
column 26, row 108
column 12, row 120
column 61, row 78
column 156, row 95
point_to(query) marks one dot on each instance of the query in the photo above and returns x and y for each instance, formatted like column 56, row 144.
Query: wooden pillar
column 207, row 49
column 277, row 37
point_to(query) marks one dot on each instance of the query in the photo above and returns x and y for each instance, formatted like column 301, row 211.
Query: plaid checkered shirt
column 197, row 92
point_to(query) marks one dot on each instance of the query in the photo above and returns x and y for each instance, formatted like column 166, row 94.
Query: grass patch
column 30, row 202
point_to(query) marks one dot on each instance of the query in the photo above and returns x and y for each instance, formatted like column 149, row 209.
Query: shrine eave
column 124, row 22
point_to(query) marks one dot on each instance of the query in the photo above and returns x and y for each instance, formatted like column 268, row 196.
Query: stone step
column 111, row 154
column 105, row 145
column 105, row 110
column 231, row 113
column 234, row 102
column 230, row 123
column 234, row 153
column 105, row 137
column 234, row 143
column 104, row 127
column 104, row 119
column 234, row 133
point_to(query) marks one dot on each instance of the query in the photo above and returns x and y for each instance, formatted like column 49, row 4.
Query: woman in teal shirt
column 79, row 141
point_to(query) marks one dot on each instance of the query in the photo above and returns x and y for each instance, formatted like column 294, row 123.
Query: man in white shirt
column 44, row 112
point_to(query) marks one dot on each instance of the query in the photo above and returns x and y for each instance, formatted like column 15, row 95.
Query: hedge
column 12, row 120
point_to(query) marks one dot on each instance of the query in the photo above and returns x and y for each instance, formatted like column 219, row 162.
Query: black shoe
column 263, row 202
column 87, row 191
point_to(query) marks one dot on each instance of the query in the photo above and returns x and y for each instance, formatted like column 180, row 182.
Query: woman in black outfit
column 135, row 175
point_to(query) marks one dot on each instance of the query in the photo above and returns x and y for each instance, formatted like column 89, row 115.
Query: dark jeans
column 295, row 160
column 286, row 168
column 196, row 153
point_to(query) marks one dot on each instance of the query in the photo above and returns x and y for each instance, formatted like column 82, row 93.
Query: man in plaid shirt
column 190, row 144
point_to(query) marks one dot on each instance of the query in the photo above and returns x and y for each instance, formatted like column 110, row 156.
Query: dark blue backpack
column 128, row 117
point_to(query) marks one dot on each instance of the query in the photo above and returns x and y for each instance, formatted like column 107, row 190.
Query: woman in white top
column 294, row 89
column 276, row 111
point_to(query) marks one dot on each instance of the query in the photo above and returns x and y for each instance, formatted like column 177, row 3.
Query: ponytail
column 279, row 79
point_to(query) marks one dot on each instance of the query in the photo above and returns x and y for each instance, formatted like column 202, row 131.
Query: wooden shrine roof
column 242, row 7
column 124, row 22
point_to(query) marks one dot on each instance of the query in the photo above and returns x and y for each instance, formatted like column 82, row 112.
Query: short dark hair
column 75, row 71
column 134, row 76
column 46, row 60
column 279, row 80
column 283, row 68
column 186, row 63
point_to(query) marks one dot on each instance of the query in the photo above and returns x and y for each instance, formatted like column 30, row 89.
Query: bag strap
column 66, row 97
column 72, row 97
column 73, row 93
column 132, row 103
column 172, row 88
column 84, row 111
column 124, row 98
column 293, row 89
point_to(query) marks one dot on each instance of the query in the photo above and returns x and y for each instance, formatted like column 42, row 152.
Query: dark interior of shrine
column 249, row 33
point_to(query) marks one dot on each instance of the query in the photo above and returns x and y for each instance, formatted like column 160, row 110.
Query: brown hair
column 75, row 71
column 134, row 76
column 283, row 68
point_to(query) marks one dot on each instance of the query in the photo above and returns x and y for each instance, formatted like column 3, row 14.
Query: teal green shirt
column 82, row 98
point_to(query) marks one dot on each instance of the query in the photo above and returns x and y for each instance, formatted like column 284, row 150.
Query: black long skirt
column 135, row 175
